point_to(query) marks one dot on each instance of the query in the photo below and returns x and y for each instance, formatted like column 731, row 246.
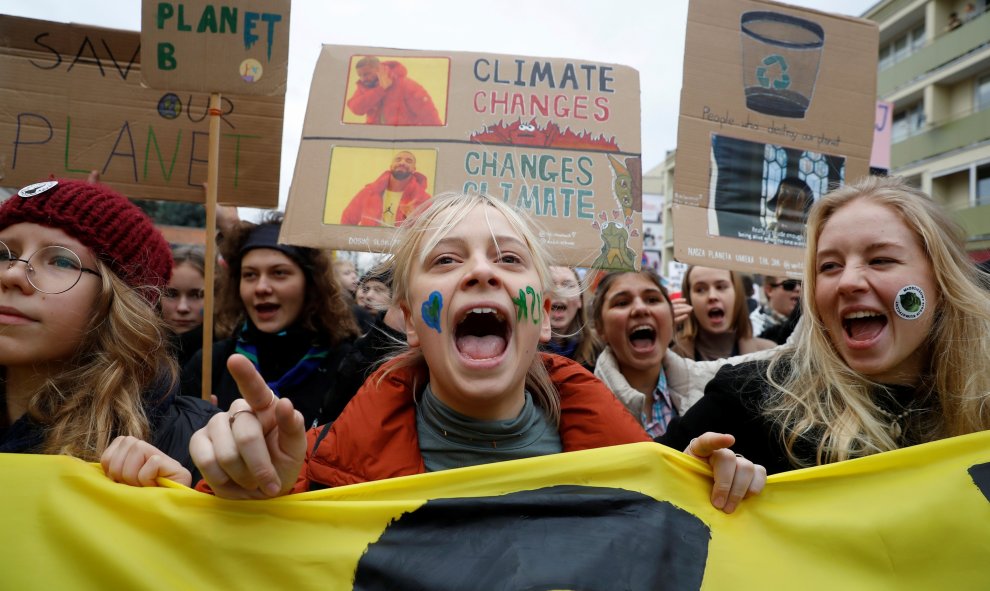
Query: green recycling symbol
column 761, row 72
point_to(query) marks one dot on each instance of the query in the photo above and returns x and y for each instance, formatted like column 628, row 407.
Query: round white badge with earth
column 909, row 303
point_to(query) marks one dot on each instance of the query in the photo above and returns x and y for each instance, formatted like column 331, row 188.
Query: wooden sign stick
column 212, row 180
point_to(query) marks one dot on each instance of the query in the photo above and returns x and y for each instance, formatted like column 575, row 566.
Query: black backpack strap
column 324, row 431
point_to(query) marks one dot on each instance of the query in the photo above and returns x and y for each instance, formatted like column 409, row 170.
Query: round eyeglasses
column 51, row 270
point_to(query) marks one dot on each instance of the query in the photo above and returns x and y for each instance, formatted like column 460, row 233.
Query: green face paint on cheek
column 534, row 309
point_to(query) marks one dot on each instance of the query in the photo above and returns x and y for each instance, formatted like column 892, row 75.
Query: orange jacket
column 404, row 102
column 375, row 437
column 365, row 209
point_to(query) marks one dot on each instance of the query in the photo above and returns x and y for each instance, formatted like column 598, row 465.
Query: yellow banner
column 628, row 517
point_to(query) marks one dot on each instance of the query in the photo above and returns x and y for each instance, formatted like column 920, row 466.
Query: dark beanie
column 266, row 236
column 106, row 222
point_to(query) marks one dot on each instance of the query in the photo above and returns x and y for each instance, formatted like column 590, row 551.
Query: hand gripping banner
column 627, row 517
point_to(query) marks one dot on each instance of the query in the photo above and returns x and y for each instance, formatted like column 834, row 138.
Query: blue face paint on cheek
column 431, row 311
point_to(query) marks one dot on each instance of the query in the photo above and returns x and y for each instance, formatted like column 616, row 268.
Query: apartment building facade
column 934, row 66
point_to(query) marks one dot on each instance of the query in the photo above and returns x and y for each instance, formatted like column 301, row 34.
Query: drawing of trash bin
column 780, row 57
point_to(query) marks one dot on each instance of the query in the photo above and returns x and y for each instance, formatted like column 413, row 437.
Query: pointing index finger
column 250, row 384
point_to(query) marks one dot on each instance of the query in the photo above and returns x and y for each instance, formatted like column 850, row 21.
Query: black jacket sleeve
column 173, row 420
column 733, row 404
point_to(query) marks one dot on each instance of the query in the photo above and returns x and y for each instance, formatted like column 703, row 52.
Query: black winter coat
column 320, row 397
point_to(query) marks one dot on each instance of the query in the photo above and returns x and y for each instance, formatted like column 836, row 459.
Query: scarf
column 565, row 348
column 296, row 375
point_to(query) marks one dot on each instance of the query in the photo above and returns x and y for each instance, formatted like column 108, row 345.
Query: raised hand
column 256, row 449
column 384, row 77
column 682, row 310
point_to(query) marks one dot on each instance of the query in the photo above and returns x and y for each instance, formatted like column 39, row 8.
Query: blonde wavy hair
column 429, row 225
column 819, row 397
column 123, row 353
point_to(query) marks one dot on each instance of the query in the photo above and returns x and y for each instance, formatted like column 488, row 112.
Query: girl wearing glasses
column 717, row 325
column 890, row 353
column 83, row 354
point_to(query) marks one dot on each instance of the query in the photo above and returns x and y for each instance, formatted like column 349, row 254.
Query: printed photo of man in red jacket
column 385, row 95
column 389, row 199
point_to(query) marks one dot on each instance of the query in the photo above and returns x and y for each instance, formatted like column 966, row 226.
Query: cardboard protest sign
column 882, row 136
column 72, row 103
column 767, row 126
column 240, row 48
column 387, row 129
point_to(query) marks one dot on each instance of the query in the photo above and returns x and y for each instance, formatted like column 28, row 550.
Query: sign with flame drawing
column 387, row 129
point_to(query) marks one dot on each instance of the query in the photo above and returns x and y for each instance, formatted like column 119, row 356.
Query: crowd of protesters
column 430, row 361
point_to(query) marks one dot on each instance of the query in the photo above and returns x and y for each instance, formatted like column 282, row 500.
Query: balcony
column 976, row 222
column 941, row 138
column 944, row 49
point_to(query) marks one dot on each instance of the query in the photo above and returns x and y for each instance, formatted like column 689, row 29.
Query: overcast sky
column 645, row 34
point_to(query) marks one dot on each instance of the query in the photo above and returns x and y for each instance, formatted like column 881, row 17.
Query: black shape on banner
column 980, row 474
column 561, row 537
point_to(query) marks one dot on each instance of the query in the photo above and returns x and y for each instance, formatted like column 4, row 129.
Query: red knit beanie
column 116, row 230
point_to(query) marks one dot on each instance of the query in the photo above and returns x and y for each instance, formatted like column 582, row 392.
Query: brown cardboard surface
column 747, row 123
column 72, row 102
column 478, row 130
column 227, row 47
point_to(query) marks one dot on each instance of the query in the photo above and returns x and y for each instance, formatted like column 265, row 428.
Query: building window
column 983, row 184
column 903, row 46
column 908, row 122
column 918, row 38
column 982, row 98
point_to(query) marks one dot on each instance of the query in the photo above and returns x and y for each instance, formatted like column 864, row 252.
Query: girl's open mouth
column 482, row 334
column 266, row 311
column 864, row 325
column 642, row 338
